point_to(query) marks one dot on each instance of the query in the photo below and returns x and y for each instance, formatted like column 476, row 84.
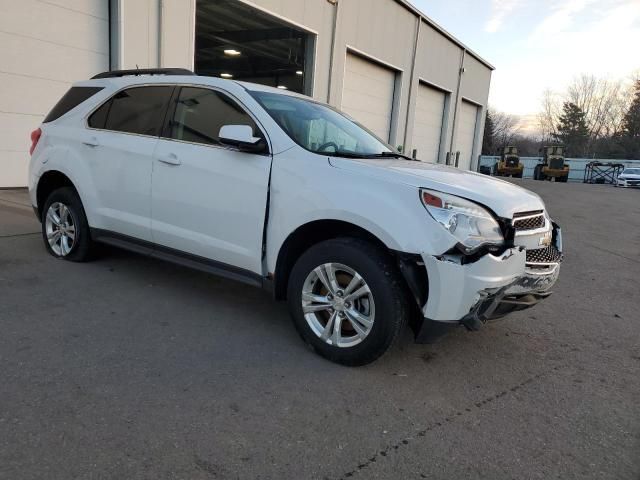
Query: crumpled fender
column 454, row 289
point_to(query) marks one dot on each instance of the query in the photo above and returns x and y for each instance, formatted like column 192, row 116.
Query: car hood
column 502, row 197
column 629, row 176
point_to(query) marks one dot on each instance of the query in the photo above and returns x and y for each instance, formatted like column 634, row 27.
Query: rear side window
column 74, row 97
column 135, row 110
column 200, row 113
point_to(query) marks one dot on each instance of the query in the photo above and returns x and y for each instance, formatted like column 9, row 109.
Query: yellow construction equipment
column 553, row 165
column 509, row 164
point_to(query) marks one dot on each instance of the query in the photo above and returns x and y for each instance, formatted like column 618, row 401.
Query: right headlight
column 473, row 225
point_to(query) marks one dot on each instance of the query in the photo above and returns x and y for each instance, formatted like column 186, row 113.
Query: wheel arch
column 307, row 235
column 49, row 181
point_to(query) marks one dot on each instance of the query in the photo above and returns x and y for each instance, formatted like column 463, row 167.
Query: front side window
column 135, row 110
column 319, row 128
column 201, row 112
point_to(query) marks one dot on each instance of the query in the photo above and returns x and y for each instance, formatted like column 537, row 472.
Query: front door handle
column 170, row 159
column 91, row 142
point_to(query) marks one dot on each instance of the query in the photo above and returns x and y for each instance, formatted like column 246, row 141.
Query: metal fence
column 576, row 165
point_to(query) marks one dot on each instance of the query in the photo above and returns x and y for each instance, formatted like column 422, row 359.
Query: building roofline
column 409, row 6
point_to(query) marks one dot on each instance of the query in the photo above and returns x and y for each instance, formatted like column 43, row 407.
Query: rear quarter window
column 74, row 97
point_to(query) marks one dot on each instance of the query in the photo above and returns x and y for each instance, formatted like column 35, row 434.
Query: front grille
column 556, row 163
column 544, row 255
column 528, row 221
column 633, row 182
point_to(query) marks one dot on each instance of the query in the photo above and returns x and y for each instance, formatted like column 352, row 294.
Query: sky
column 542, row 44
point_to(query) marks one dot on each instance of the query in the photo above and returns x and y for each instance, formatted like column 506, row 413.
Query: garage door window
column 137, row 110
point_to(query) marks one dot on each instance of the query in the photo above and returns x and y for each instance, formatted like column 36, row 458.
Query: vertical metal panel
column 382, row 30
column 466, row 134
column 138, row 34
column 178, row 33
column 368, row 94
column 438, row 62
column 428, row 122
column 44, row 49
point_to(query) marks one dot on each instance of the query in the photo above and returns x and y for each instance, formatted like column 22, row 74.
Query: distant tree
column 549, row 114
column 631, row 120
column 629, row 138
column 488, row 148
column 603, row 102
column 572, row 130
column 527, row 145
column 505, row 128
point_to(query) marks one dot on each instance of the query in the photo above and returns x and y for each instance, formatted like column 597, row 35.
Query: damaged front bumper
column 472, row 293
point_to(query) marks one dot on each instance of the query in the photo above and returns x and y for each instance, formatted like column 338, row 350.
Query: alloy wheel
column 338, row 305
column 60, row 228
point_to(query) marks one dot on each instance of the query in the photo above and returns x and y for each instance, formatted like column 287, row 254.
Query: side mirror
column 241, row 136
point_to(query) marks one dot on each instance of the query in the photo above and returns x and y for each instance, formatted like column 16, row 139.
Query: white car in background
column 276, row 190
column 630, row 177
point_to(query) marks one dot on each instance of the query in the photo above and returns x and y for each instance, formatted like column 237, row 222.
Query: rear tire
column 536, row 172
column 65, row 229
column 345, row 329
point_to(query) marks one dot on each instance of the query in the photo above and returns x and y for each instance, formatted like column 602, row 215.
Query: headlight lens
column 471, row 224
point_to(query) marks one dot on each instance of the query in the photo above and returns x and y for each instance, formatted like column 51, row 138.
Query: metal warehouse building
column 381, row 61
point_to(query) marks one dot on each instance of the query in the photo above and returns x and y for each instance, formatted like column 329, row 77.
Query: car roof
column 151, row 79
column 132, row 80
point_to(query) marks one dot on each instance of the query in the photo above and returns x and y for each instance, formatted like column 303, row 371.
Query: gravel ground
column 129, row 367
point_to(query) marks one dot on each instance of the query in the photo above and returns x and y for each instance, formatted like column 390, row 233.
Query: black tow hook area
column 499, row 305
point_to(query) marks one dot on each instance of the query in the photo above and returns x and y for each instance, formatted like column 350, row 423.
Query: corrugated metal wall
column 152, row 33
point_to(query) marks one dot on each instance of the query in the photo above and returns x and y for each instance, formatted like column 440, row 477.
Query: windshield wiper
column 346, row 154
column 391, row 155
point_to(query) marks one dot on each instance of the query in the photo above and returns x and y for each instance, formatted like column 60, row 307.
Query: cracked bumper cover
column 488, row 288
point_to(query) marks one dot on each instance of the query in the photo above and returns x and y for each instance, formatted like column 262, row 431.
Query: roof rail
column 143, row 71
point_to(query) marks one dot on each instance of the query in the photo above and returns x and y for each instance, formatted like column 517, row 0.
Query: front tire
column 347, row 300
column 65, row 229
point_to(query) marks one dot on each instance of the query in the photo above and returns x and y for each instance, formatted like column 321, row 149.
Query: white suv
column 279, row 191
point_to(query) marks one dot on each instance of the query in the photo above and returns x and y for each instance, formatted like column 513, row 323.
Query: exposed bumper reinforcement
column 473, row 294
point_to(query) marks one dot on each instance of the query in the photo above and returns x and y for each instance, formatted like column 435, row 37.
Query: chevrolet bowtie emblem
column 545, row 241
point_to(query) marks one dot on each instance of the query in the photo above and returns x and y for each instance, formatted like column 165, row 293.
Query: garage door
column 368, row 94
column 467, row 120
column 427, row 127
column 46, row 46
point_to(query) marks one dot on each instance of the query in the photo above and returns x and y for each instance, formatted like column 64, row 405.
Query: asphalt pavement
column 128, row 367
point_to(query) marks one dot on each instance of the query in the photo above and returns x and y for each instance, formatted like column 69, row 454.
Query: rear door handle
column 91, row 142
column 170, row 159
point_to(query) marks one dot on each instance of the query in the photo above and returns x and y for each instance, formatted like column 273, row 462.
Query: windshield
column 319, row 128
column 632, row 171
